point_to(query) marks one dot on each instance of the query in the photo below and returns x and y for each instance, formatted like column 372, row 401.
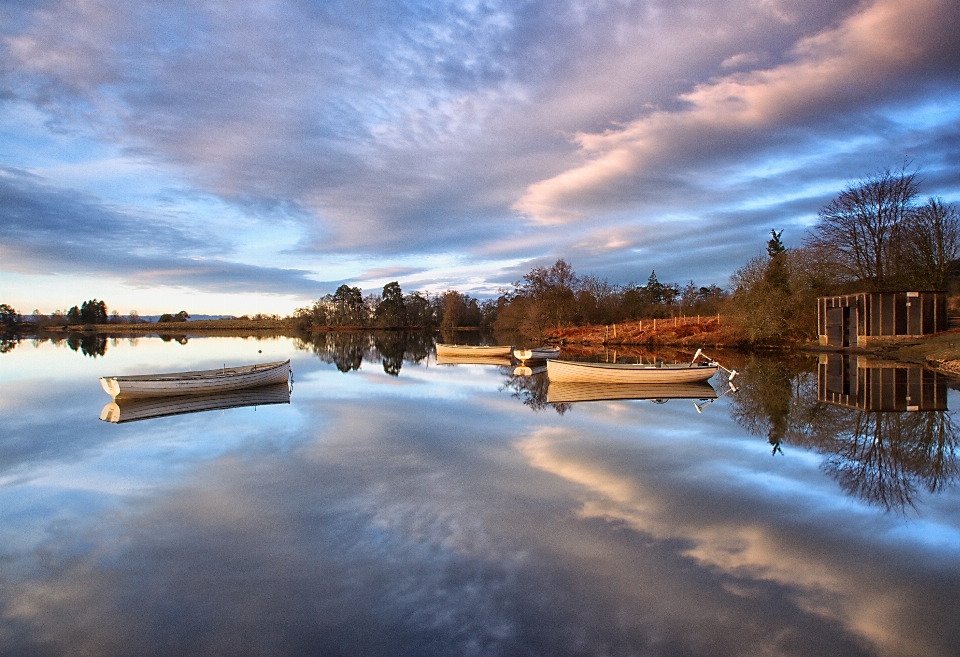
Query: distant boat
column 196, row 383
column 537, row 353
column 564, row 370
column 574, row 391
column 122, row 409
column 463, row 350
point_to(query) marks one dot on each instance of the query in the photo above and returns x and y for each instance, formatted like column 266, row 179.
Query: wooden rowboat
column 471, row 351
column 574, row 391
column 537, row 353
column 563, row 370
column 122, row 410
column 196, row 383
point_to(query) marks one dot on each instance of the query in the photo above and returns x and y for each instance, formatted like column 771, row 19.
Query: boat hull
column 471, row 351
column 196, row 383
column 562, row 370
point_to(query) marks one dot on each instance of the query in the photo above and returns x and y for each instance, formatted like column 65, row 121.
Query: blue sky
column 251, row 157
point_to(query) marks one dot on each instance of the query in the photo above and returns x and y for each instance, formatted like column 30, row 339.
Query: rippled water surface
column 399, row 507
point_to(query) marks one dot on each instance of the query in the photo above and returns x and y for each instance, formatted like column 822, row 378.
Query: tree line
column 348, row 307
column 546, row 297
column 90, row 312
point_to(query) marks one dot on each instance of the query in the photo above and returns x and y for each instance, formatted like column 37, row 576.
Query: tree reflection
column 885, row 457
column 881, row 457
column 348, row 350
column 89, row 344
column 531, row 389
column 396, row 347
column 764, row 401
column 8, row 344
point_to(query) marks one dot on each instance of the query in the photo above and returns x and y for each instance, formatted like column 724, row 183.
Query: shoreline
column 940, row 351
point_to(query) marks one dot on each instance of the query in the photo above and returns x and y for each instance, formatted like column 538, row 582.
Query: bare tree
column 861, row 229
column 932, row 243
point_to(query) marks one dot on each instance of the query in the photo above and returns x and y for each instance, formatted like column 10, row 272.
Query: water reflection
column 148, row 408
column 348, row 351
column 531, row 389
column 871, row 385
column 493, row 361
column 89, row 344
column 855, row 414
column 567, row 392
column 434, row 515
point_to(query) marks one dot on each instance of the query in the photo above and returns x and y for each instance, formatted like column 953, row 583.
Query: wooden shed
column 856, row 320
column 868, row 385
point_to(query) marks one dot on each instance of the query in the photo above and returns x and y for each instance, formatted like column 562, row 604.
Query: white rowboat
column 537, row 353
column 196, row 383
column 471, row 351
column 563, row 370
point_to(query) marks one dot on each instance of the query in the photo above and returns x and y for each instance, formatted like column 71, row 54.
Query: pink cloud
column 870, row 52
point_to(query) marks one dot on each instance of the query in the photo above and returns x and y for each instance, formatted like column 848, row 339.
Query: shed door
column 849, row 326
column 929, row 325
column 914, row 315
column 835, row 327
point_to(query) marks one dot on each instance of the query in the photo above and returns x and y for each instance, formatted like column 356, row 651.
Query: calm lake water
column 399, row 507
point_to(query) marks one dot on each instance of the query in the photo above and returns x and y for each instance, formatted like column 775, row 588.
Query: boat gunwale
column 638, row 367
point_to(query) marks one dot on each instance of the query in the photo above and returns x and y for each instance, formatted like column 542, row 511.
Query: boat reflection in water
column 148, row 408
column 499, row 361
column 530, row 369
column 563, row 392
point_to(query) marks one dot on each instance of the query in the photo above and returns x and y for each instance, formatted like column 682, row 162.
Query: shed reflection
column 872, row 385
column 884, row 429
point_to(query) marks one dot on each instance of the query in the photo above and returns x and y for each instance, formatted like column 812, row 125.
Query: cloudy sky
column 243, row 157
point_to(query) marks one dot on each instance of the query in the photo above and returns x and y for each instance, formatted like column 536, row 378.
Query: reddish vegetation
column 695, row 331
